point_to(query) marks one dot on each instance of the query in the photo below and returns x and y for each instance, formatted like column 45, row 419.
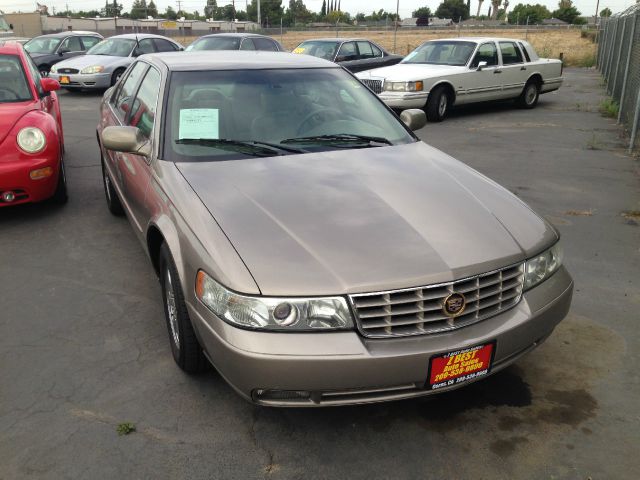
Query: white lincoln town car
column 442, row 73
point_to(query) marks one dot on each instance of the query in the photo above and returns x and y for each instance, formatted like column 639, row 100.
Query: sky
column 587, row 7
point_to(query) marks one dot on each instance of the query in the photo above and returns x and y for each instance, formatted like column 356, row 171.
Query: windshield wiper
column 340, row 138
column 248, row 147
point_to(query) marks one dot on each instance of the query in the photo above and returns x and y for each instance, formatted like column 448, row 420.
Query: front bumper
column 342, row 368
column 14, row 177
column 404, row 100
column 79, row 80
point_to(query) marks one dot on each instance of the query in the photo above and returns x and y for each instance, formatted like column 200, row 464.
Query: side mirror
column 62, row 51
column 126, row 140
column 49, row 84
column 341, row 58
column 481, row 65
column 414, row 118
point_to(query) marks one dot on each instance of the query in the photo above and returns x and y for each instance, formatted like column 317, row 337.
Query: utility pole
column 259, row 22
column 179, row 2
column 395, row 31
column 595, row 17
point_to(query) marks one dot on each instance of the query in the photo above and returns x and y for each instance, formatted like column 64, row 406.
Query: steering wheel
column 318, row 116
column 11, row 91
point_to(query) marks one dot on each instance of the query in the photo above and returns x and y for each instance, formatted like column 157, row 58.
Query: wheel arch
column 162, row 231
column 536, row 77
column 448, row 86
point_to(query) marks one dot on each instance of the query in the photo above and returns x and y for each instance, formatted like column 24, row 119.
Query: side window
column 71, row 44
column 265, row 44
column 122, row 105
column 145, row 46
column 35, row 73
column 365, row 50
column 143, row 111
column 89, row 42
column 247, row 44
column 510, row 53
column 164, row 45
column 524, row 50
column 376, row 51
column 348, row 50
column 487, row 52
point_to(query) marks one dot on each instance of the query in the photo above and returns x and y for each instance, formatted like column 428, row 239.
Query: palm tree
column 479, row 5
column 494, row 10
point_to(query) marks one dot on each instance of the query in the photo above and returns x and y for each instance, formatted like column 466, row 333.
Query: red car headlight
column 31, row 139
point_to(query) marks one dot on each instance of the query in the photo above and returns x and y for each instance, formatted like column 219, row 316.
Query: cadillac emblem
column 454, row 305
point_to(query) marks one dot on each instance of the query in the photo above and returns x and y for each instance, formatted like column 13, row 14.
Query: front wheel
column 60, row 195
column 529, row 96
column 185, row 347
column 438, row 104
column 113, row 202
column 116, row 76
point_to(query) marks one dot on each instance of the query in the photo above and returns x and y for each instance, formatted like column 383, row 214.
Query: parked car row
column 309, row 246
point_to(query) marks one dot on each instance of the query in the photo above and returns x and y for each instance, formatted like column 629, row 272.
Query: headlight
column 92, row 69
column 541, row 267
column 284, row 314
column 403, row 86
column 53, row 69
column 31, row 139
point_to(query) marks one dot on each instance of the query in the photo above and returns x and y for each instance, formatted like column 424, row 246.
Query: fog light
column 8, row 196
column 41, row 173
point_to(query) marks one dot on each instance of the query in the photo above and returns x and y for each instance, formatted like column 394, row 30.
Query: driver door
column 70, row 47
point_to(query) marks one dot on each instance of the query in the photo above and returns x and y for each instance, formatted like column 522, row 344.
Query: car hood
column 365, row 220
column 11, row 113
column 40, row 55
column 82, row 61
column 411, row 71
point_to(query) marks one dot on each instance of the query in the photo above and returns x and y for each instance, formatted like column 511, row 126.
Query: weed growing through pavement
column 126, row 428
column 609, row 108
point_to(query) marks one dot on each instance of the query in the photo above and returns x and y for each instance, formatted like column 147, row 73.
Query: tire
column 113, row 202
column 116, row 76
column 60, row 196
column 185, row 347
column 530, row 94
column 438, row 104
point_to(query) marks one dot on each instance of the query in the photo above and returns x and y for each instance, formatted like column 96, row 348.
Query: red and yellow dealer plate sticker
column 64, row 79
column 459, row 366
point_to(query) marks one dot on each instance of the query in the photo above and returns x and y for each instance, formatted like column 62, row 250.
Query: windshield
column 42, row 45
column 320, row 49
column 117, row 47
column 13, row 82
column 442, row 52
column 215, row 43
column 287, row 111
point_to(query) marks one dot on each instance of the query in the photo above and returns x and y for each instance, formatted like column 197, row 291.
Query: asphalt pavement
column 84, row 347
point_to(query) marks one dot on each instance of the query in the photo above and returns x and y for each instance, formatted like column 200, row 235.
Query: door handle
column 523, row 68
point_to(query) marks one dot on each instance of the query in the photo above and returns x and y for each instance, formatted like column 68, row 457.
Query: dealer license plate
column 64, row 79
column 453, row 368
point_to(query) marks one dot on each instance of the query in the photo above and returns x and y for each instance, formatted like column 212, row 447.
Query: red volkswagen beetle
column 31, row 141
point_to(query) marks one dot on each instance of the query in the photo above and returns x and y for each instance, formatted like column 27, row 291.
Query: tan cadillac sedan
column 308, row 245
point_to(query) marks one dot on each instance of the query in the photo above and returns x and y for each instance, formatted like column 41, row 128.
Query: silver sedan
column 308, row 245
column 106, row 61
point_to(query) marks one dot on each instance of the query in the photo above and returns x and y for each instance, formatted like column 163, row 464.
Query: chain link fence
column 619, row 63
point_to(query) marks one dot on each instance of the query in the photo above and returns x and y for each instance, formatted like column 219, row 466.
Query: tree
column 495, row 6
column 270, row 12
column 139, row 9
column 211, row 10
column 479, row 7
column 170, row 14
column 421, row 12
column 454, row 9
column 605, row 12
column 536, row 13
column 297, row 13
column 323, row 11
column 568, row 13
column 152, row 10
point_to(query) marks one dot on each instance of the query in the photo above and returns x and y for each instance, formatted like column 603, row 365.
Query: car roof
column 235, row 60
column 141, row 35
column 336, row 40
column 233, row 34
column 67, row 33
column 10, row 47
column 473, row 39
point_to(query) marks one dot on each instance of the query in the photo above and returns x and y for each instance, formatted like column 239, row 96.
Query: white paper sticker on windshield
column 199, row 123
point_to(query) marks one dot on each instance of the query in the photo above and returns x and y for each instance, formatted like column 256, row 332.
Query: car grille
column 68, row 70
column 419, row 311
column 374, row 85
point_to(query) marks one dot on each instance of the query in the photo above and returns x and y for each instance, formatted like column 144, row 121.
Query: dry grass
column 578, row 51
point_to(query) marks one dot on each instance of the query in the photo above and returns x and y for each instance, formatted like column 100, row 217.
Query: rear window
column 320, row 49
column 13, row 81
column 215, row 43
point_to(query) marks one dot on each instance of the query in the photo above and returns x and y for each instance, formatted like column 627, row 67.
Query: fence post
column 626, row 69
column 634, row 128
